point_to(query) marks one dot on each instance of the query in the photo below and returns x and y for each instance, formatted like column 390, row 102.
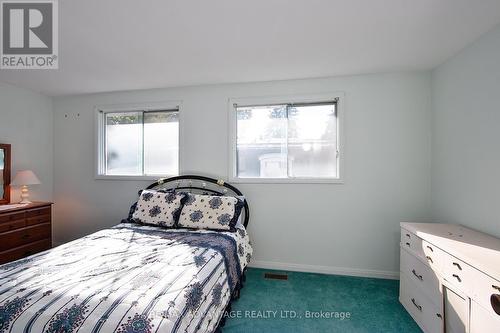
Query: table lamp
column 24, row 178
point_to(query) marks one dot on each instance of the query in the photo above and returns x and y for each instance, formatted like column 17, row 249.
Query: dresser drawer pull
column 430, row 248
column 458, row 265
column 495, row 303
column 408, row 235
column 439, row 315
column 457, row 277
column 495, row 287
column 407, row 243
column 418, row 276
column 419, row 307
column 430, row 259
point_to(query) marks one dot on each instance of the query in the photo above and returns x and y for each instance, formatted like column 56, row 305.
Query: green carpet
column 356, row 305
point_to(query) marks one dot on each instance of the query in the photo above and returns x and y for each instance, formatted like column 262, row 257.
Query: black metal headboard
column 201, row 185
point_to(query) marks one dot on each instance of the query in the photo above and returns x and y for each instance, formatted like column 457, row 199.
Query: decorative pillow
column 210, row 212
column 158, row 207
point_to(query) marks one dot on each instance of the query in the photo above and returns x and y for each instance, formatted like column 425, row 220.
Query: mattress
column 128, row 278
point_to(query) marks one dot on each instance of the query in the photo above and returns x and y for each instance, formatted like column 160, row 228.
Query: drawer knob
column 407, row 243
column 495, row 287
column 418, row 276
column 439, row 315
column 495, row 303
column 408, row 235
column 458, row 265
column 419, row 307
column 457, row 277
column 430, row 248
column 430, row 259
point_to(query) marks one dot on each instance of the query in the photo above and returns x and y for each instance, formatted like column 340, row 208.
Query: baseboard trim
column 325, row 269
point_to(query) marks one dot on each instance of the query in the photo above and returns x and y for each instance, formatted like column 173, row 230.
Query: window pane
column 312, row 141
column 123, row 143
column 261, row 142
column 161, row 143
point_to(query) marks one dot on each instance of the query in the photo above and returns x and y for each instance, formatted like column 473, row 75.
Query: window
column 138, row 143
column 286, row 141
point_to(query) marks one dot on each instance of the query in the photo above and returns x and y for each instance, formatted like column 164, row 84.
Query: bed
column 131, row 277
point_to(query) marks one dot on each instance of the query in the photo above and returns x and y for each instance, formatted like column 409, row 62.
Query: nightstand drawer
column 23, row 236
column 25, row 250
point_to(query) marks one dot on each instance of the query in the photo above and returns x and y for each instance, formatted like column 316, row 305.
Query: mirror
column 4, row 173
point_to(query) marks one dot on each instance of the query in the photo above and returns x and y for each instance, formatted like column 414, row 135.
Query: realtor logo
column 29, row 34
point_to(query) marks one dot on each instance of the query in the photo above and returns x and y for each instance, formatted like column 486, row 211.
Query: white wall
column 354, row 225
column 26, row 122
column 466, row 137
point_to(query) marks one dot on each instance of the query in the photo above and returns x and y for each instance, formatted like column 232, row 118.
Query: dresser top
column 479, row 250
column 16, row 207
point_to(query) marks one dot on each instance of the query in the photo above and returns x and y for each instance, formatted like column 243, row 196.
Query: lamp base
column 25, row 196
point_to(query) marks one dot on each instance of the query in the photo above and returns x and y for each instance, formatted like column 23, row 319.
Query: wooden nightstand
column 25, row 230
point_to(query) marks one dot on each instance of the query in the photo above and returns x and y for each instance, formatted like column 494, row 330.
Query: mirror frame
column 6, row 174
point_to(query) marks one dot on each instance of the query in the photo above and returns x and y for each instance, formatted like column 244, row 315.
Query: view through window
column 287, row 141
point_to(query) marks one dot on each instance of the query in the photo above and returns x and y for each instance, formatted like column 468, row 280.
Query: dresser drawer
column 25, row 250
column 38, row 220
column 422, row 276
column 9, row 217
column 459, row 274
column 412, row 242
column 12, row 225
column 434, row 256
column 38, row 212
column 428, row 315
column 484, row 288
column 23, row 236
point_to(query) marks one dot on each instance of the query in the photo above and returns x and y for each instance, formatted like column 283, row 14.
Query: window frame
column 99, row 136
column 291, row 99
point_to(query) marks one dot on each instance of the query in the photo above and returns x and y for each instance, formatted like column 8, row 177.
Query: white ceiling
column 129, row 44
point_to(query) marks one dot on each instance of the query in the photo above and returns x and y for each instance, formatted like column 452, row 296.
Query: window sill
column 286, row 180
column 133, row 178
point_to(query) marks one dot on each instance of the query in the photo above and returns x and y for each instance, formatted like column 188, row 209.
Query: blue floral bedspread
column 129, row 278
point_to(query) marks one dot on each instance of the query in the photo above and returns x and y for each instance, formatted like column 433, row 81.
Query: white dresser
column 450, row 278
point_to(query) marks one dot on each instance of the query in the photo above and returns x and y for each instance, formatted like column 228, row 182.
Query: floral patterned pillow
column 158, row 208
column 210, row 212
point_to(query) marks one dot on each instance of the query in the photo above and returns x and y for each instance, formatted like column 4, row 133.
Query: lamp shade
column 25, row 177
